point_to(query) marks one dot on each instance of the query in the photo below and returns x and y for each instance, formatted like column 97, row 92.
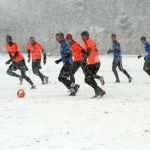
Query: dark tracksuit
column 146, row 67
column 117, row 62
column 66, row 75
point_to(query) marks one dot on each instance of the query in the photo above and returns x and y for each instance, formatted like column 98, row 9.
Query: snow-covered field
column 48, row 119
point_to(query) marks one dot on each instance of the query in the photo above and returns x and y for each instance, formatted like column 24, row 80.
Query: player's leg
column 11, row 70
column 76, row 66
column 36, row 66
column 146, row 67
column 96, row 76
column 90, row 71
column 74, row 87
column 23, row 68
column 124, row 71
column 23, row 73
column 41, row 75
column 63, row 76
column 13, row 67
column 114, row 69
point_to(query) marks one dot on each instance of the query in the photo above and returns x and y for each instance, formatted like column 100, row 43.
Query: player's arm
column 12, row 58
column 44, row 57
column 88, row 52
column 84, row 56
column 139, row 56
column 44, row 54
column 143, row 53
column 67, row 53
column 58, row 61
column 84, row 53
column 116, row 48
column 29, row 55
column 89, row 48
column 110, row 51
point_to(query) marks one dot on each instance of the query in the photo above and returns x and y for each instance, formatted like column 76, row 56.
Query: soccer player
column 117, row 62
column 16, row 61
column 146, row 67
column 36, row 50
column 93, row 65
column 66, row 75
column 79, row 54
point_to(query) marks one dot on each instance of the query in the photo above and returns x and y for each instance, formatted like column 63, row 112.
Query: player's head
column 85, row 35
column 8, row 39
column 114, row 37
column 69, row 38
column 60, row 37
column 32, row 40
column 143, row 40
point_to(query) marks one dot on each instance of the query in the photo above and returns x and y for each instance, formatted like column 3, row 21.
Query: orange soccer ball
column 21, row 93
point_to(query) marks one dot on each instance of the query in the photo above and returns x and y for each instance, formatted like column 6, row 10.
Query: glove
column 44, row 61
column 139, row 56
column 109, row 51
column 57, row 61
column 8, row 62
column 83, row 51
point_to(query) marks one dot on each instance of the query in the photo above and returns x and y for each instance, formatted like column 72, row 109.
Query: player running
column 36, row 50
column 66, row 75
column 93, row 65
column 117, row 62
column 79, row 54
column 16, row 61
column 146, row 67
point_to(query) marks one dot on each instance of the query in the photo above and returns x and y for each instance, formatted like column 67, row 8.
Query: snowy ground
column 47, row 119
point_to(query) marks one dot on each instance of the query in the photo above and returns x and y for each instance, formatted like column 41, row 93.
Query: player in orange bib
column 16, row 61
column 79, row 54
column 37, row 50
column 93, row 65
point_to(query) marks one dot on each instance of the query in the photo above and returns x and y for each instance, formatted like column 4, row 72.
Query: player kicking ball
column 36, row 50
column 117, row 62
column 66, row 75
column 16, row 62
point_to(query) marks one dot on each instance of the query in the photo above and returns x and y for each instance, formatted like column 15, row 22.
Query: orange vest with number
column 94, row 56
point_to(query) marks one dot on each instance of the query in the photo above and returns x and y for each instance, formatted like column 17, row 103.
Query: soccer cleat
column 117, row 81
column 130, row 80
column 21, row 80
column 72, row 94
column 33, row 87
column 102, row 80
column 46, row 80
column 76, row 88
column 43, row 83
column 101, row 94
